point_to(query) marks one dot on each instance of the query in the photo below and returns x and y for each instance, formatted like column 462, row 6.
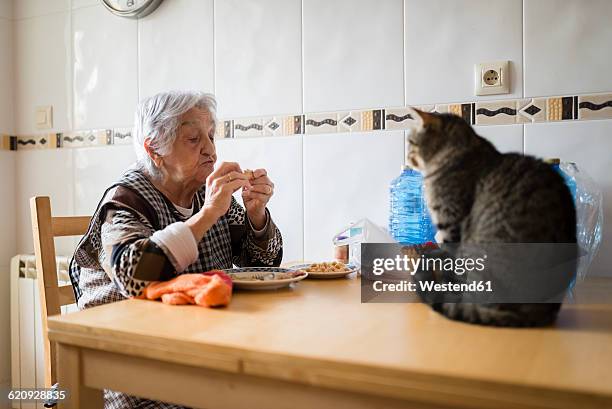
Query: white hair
column 157, row 118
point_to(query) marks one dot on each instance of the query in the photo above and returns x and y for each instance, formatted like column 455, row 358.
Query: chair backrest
column 52, row 296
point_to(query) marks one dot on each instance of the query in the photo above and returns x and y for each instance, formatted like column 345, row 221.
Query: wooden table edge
column 385, row 382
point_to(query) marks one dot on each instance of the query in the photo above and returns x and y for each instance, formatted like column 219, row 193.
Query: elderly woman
column 173, row 213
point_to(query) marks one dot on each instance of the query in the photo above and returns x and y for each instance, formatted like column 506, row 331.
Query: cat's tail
column 501, row 315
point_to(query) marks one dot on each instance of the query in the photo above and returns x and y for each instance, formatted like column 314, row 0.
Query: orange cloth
column 210, row 289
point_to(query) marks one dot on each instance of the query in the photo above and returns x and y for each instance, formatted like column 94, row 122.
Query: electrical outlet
column 492, row 78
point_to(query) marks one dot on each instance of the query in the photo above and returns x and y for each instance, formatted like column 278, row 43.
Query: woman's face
column 193, row 153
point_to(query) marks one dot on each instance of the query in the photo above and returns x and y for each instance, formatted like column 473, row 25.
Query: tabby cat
column 476, row 194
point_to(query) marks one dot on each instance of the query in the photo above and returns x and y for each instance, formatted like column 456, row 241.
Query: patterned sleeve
column 129, row 256
column 262, row 249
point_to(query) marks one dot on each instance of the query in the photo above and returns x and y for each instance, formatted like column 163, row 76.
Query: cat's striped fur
column 476, row 194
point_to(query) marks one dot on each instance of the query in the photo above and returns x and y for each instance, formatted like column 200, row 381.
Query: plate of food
column 264, row 278
column 332, row 269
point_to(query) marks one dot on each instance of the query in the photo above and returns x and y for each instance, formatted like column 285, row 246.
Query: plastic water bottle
column 409, row 219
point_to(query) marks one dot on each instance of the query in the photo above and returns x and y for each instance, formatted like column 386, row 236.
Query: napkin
column 209, row 289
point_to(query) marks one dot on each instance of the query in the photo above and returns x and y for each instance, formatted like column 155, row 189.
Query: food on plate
column 210, row 289
column 266, row 276
column 327, row 267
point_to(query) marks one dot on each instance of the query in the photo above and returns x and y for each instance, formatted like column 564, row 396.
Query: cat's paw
column 439, row 237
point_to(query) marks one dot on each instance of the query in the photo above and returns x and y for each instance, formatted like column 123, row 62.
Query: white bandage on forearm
column 178, row 243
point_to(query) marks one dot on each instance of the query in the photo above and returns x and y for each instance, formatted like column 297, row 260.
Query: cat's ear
column 424, row 120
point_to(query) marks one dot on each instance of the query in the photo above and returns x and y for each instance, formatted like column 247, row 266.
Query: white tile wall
column 6, row 9
column 588, row 145
column 35, row 8
column 42, row 63
column 83, row 3
column 177, row 56
column 105, row 58
column 7, row 209
column 567, row 46
column 8, row 249
column 445, row 38
column 95, row 170
column 44, row 173
column 506, row 138
column 6, row 76
column 346, row 178
column 353, row 54
column 7, row 188
column 282, row 158
column 258, row 70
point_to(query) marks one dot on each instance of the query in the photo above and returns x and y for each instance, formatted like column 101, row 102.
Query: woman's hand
column 256, row 197
column 220, row 185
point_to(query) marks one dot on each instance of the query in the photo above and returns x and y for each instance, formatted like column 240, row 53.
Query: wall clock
column 131, row 8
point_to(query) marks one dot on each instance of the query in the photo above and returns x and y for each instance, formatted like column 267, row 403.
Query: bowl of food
column 331, row 269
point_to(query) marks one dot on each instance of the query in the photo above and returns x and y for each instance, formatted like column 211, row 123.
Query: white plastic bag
column 589, row 215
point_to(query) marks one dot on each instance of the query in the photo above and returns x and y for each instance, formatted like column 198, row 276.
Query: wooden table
column 317, row 346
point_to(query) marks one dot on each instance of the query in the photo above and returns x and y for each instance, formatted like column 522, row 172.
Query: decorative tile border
column 503, row 112
column 490, row 113
column 95, row 137
column 595, row 106
column 248, row 127
column 532, row 110
column 122, row 136
column 8, row 142
column 349, row 121
column 40, row 141
column 272, row 126
column 321, row 123
column 398, row 118
column 75, row 139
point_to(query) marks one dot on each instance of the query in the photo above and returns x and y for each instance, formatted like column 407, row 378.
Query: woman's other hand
column 256, row 197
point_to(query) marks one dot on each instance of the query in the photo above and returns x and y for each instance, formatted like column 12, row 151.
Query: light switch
column 44, row 117
column 41, row 118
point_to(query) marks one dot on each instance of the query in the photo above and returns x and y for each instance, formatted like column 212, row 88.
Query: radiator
column 27, row 350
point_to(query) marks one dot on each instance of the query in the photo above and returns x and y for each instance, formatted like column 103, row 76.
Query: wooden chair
column 52, row 296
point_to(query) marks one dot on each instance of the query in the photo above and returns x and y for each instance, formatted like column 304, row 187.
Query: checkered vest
column 141, row 197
